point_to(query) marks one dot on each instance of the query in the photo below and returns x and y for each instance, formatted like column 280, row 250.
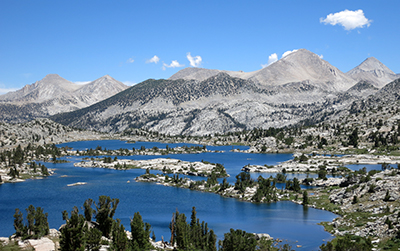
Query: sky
column 136, row 40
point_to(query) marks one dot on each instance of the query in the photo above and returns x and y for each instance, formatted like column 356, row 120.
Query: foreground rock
column 369, row 205
column 42, row 244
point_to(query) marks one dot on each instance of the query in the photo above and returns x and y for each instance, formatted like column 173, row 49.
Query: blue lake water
column 356, row 167
column 156, row 203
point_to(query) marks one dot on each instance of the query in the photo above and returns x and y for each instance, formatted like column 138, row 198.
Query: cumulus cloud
column 130, row 60
column 129, row 83
column 287, row 53
column 274, row 57
column 348, row 19
column 82, row 82
column 154, row 59
column 6, row 90
column 321, row 56
column 174, row 64
column 194, row 61
column 271, row 59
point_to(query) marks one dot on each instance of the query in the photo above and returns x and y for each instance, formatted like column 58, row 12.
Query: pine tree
column 88, row 210
column 182, row 231
column 106, row 208
column 140, row 233
column 120, row 241
column 19, row 223
column 72, row 234
column 31, row 221
column 305, row 198
column 93, row 239
column 353, row 138
column 41, row 226
column 238, row 240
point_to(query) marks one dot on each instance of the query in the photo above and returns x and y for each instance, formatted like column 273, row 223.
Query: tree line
column 96, row 226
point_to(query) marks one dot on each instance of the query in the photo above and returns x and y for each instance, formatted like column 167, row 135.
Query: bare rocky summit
column 373, row 71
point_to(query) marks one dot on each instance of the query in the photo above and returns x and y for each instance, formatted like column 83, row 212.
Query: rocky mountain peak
column 54, row 94
column 372, row 70
column 371, row 64
column 303, row 65
column 51, row 86
column 56, row 80
column 301, row 54
column 299, row 66
column 99, row 89
column 194, row 73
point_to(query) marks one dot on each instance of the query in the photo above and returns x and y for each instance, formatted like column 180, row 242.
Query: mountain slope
column 194, row 73
column 218, row 104
column 372, row 70
column 362, row 89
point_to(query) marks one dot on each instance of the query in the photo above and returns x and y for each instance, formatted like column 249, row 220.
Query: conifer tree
column 88, row 210
column 72, row 234
column 19, row 223
column 140, row 233
column 105, row 210
column 305, row 198
column 119, row 239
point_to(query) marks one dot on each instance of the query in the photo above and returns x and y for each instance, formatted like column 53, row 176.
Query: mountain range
column 299, row 88
column 303, row 65
column 54, row 94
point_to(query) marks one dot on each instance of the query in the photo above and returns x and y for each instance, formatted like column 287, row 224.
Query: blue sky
column 84, row 40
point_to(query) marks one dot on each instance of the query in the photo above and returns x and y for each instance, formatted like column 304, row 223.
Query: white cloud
column 129, row 83
column 154, row 59
column 348, row 19
column 6, row 90
column 321, row 56
column 194, row 61
column 287, row 53
column 130, row 60
column 174, row 64
column 82, row 82
column 271, row 59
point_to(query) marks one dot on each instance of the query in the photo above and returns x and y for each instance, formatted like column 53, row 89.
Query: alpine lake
column 290, row 222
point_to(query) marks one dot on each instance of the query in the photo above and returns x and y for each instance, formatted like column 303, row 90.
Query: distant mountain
column 195, row 73
column 298, row 67
column 373, row 71
column 303, row 65
column 219, row 104
column 99, row 89
column 300, row 88
column 198, row 101
column 54, row 94
column 50, row 87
